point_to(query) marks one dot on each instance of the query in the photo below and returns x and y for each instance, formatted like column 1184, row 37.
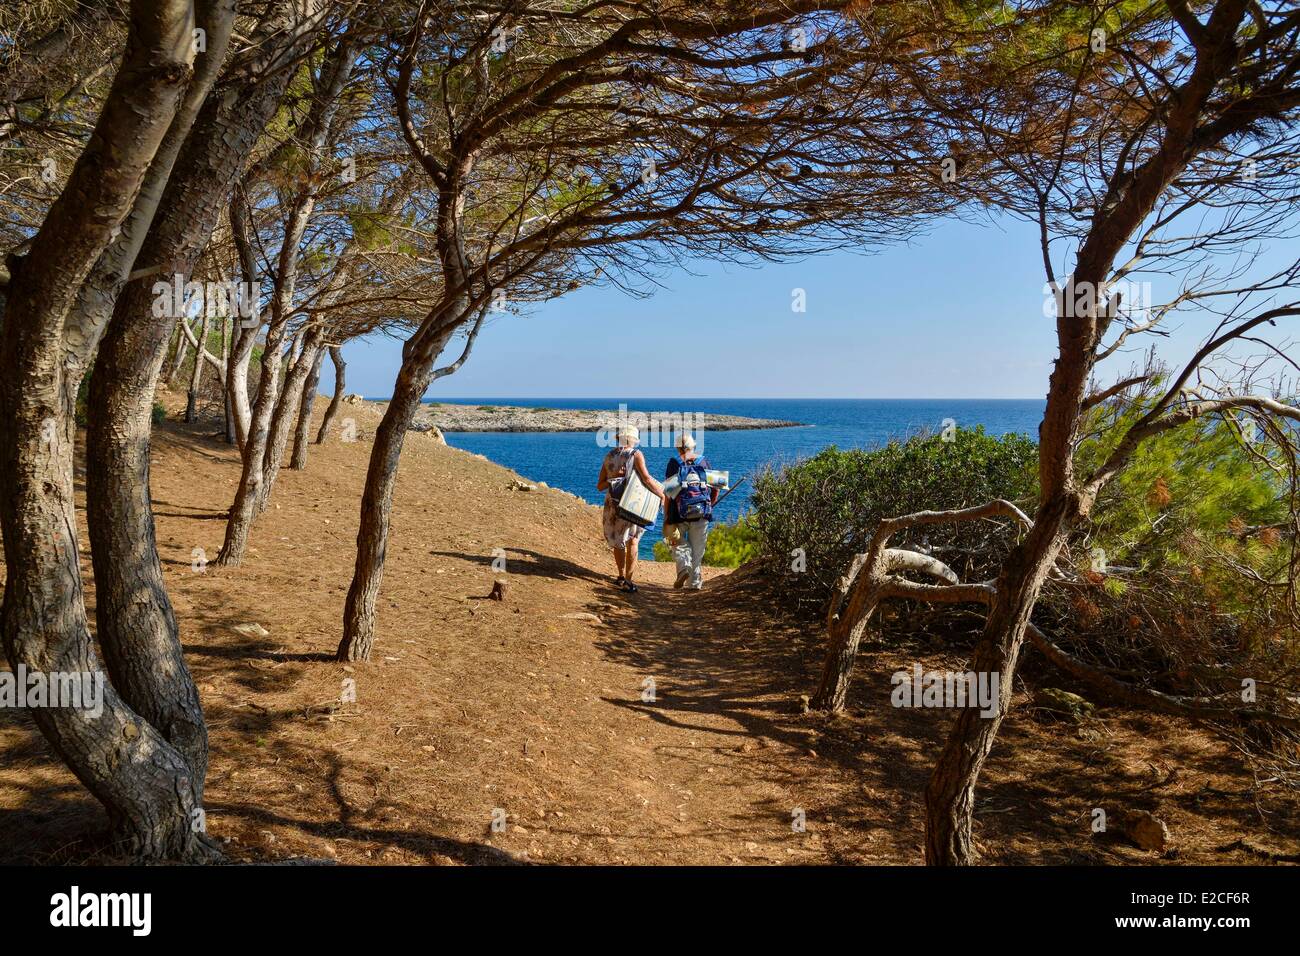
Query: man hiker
column 686, row 522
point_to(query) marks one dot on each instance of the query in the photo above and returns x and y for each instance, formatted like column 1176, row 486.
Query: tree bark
column 291, row 400
column 196, row 377
column 147, row 786
column 258, row 451
column 336, row 400
column 245, row 328
column 135, row 621
column 847, row 624
column 298, row 461
column 178, row 357
column 227, row 416
column 377, row 503
column 243, row 510
column 950, row 791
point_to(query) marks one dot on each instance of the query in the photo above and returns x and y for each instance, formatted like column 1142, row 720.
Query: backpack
column 695, row 500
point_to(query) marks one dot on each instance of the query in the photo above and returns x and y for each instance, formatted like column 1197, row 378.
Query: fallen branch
column 1200, row 707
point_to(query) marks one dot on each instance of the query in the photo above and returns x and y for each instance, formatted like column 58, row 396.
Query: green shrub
column 811, row 517
column 159, row 413
column 487, row 408
column 1186, row 545
column 728, row 545
column 1180, row 490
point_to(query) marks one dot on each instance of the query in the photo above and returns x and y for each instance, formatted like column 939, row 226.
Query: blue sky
column 957, row 313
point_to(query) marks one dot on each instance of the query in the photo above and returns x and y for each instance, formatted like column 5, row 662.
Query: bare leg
column 630, row 561
column 618, row 561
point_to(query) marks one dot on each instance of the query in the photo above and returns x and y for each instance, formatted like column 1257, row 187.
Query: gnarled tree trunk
column 291, row 399
column 377, row 503
column 196, row 377
column 148, row 787
column 950, row 791
column 136, row 623
column 298, row 461
column 336, row 400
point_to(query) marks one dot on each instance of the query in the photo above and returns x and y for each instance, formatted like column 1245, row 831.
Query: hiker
column 687, row 517
column 621, row 535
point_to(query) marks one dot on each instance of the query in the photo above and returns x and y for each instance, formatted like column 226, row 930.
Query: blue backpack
column 695, row 500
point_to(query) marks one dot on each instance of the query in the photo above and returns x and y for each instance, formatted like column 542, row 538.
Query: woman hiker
column 686, row 520
column 621, row 535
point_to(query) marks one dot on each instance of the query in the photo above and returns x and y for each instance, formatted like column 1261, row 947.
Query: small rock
column 499, row 588
column 1142, row 828
column 1064, row 703
column 582, row 616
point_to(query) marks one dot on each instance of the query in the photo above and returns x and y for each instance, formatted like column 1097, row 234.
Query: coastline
column 522, row 419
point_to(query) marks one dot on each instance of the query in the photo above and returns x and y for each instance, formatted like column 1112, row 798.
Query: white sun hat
column 628, row 435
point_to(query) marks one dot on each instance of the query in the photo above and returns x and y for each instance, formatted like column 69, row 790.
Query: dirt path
column 537, row 710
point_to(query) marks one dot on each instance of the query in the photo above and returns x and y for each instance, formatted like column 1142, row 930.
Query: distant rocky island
column 459, row 417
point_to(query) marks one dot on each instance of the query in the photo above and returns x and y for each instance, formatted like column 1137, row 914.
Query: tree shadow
column 522, row 561
column 731, row 651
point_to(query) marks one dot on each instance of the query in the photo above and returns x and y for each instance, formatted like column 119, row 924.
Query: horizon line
column 721, row 398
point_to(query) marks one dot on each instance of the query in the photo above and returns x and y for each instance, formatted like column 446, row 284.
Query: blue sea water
column 571, row 460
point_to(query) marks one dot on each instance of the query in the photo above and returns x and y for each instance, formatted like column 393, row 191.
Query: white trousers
column 689, row 555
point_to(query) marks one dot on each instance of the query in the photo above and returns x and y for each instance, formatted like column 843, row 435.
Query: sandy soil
column 536, row 710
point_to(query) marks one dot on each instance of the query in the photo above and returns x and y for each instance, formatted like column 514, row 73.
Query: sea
column 571, row 460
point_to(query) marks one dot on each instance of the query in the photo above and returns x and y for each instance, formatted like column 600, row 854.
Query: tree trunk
column 135, row 620
column 291, row 399
column 245, row 328
column 336, row 400
column 137, row 626
column 178, row 359
column 243, row 509
column 227, row 417
column 237, row 383
column 837, row 672
column 377, row 503
column 950, row 791
column 298, row 461
column 846, row 623
column 147, row 786
column 196, row 377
